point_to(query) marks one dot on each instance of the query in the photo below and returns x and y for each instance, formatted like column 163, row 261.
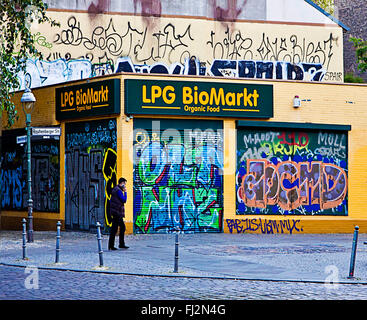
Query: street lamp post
column 28, row 101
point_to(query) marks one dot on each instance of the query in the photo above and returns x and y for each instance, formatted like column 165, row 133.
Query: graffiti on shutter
column 90, row 166
column 178, row 181
column 291, row 172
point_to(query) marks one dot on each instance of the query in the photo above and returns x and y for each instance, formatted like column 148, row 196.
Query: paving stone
column 274, row 267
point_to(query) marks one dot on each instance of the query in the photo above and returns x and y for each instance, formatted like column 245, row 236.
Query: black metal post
column 24, row 222
column 29, row 174
column 58, row 236
column 99, row 239
column 176, row 254
column 354, row 251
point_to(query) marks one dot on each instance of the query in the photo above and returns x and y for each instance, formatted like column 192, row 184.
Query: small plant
column 351, row 78
column 361, row 52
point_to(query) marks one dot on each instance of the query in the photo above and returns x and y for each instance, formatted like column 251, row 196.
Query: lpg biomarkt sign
column 198, row 98
column 89, row 99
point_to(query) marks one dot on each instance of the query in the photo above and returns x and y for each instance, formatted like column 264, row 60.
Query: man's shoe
column 112, row 248
column 123, row 247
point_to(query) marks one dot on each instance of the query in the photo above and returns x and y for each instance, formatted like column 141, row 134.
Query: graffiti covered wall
column 86, row 46
column 178, row 176
column 90, row 161
column 291, row 172
column 45, row 173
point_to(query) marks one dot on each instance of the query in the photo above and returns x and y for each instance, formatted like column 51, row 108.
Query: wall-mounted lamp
column 296, row 102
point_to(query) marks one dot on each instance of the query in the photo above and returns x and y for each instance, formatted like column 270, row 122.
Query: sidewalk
column 243, row 256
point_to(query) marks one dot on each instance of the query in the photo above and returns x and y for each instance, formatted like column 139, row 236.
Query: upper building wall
column 299, row 11
column 213, row 9
column 167, row 37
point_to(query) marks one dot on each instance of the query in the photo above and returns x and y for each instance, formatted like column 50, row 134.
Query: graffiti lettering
column 291, row 172
column 41, row 73
column 12, row 184
column 258, row 138
column 45, row 170
column 171, row 49
column 333, row 76
column 232, row 68
column 332, row 139
column 290, row 184
column 267, row 70
column 41, row 40
column 265, row 226
column 129, row 42
column 44, row 186
column 235, row 45
column 45, row 173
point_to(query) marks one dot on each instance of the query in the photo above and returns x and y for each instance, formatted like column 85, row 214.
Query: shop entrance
column 90, row 171
column 178, row 182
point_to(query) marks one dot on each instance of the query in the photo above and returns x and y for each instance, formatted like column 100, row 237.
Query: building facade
column 199, row 155
column 232, row 118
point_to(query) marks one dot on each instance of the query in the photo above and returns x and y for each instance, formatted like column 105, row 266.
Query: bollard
column 58, row 236
column 353, row 255
column 176, row 254
column 24, row 221
column 99, row 238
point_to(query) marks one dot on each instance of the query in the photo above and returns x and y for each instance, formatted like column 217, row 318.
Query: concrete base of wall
column 15, row 223
column 39, row 224
column 258, row 225
column 293, row 225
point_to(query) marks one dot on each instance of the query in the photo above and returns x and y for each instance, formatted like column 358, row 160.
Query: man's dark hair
column 122, row 180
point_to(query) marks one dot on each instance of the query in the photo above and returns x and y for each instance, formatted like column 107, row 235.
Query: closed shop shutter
column 45, row 171
column 292, row 172
column 178, row 183
column 90, row 172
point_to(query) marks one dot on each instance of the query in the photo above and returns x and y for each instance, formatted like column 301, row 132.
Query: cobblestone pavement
column 211, row 267
column 245, row 256
column 70, row 285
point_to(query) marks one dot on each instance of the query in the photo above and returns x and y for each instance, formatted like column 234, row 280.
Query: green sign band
column 89, row 99
column 198, row 98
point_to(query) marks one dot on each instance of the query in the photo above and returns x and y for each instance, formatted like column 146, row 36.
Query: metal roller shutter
column 178, row 182
column 292, row 172
column 90, row 167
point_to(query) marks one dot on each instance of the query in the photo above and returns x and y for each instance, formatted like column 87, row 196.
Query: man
column 117, row 210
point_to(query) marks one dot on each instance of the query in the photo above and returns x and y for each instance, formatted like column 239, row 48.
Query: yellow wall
column 328, row 104
column 343, row 104
column 125, row 164
column 43, row 115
